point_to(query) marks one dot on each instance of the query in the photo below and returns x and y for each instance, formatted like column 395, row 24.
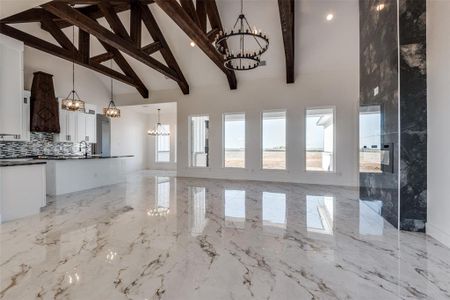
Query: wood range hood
column 44, row 111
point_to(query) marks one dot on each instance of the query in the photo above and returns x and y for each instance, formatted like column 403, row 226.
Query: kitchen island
column 22, row 188
column 73, row 174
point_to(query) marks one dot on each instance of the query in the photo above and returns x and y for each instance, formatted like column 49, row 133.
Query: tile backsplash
column 39, row 144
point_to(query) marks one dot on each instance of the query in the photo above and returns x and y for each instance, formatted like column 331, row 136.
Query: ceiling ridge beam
column 158, row 37
column 52, row 49
column 287, row 18
column 91, row 26
column 174, row 10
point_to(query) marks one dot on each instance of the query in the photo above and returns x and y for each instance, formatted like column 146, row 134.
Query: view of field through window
column 274, row 140
column 234, row 140
column 320, row 139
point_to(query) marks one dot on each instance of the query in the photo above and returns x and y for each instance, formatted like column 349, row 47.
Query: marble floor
column 184, row 238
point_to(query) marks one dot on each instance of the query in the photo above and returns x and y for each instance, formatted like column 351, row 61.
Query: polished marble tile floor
column 184, row 238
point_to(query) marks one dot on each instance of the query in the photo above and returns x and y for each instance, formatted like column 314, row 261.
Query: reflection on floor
column 168, row 238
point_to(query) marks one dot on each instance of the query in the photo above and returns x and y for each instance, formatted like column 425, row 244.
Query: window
column 199, row 141
column 234, row 140
column 370, row 154
column 163, row 145
column 235, row 208
column 320, row 139
column 274, row 140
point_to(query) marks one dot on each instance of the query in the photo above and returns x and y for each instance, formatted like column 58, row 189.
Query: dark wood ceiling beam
column 286, row 8
column 48, row 25
column 84, row 45
column 136, row 23
column 157, row 35
column 152, row 48
column 91, row 26
column 27, row 16
column 52, row 49
column 212, row 34
column 174, row 10
column 189, row 7
column 113, row 19
column 149, row 49
column 201, row 13
column 102, row 57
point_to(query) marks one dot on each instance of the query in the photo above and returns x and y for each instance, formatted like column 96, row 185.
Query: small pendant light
column 158, row 129
column 73, row 102
column 111, row 111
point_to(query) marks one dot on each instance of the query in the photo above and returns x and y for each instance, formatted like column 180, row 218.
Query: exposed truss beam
column 102, row 57
column 177, row 13
column 113, row 19
column 286, row 8
column 84, row 43
column 52, row 49
column 48, row 25
column 200, row 6
column 149, row 49
column 158, row 37
column 136, row 23
column 91, row 26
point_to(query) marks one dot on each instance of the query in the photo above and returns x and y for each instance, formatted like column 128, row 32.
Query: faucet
column 85, row 148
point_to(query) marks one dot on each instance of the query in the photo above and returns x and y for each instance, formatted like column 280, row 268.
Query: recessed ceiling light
column 330, row 17
column 380, row 7
column 192, row 44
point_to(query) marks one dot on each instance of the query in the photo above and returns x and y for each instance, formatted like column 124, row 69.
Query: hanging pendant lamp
column 73, row 102
column 111, row 111
column 158, row 129
column 252, row 44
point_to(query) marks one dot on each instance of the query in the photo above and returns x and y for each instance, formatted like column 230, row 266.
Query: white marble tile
column 184, row 238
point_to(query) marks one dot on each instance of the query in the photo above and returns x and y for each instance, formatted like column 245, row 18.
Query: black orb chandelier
column 242, row 59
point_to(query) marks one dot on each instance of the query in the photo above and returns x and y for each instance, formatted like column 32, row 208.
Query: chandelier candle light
column 73, row 102
column 111, row 111
column 242, row 59
column 158, row 129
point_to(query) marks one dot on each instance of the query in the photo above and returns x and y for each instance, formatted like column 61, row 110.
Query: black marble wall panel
column 400, row 92
column 379, row 87
column 413, row 115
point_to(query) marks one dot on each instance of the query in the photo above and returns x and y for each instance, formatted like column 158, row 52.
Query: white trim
column 438, row 234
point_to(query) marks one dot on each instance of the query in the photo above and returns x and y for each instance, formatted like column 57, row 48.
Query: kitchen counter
column 12, row 163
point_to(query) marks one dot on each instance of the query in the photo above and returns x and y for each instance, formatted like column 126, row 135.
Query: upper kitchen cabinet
column 67, row 123
column 11, row 87
column 87, row 125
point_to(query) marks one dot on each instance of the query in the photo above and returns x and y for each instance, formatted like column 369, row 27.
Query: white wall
column 438, row 48
column 128, row 137
column 170, row 119
column 339, row 89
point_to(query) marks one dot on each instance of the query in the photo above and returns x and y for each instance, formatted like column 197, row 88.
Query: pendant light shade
column 73, row 102
column 158, row 129
column 111, row 111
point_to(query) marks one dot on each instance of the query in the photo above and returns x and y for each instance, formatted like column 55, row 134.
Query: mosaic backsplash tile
column 40, row 144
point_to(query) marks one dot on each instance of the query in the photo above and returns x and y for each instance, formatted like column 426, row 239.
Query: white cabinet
column 24, row 135
column 87, row 125
column 67, row 123
column 77, row 126
column 11, row 86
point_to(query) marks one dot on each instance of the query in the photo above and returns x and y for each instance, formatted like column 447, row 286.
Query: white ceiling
column 320, row 45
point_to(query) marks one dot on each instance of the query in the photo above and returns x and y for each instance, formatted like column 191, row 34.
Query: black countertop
column 12, row 163
column 41, row 158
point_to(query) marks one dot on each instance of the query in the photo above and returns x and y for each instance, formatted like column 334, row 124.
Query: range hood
column 44, row 111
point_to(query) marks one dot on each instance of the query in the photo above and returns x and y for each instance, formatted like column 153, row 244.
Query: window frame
column 190, row 140
column 333, row 107
column 261, row 140
column 223, row 140
column 170, row 148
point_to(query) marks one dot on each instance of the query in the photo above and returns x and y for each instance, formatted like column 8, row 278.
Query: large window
column 199, row 148
column 163, row 146
column 274, row 140
column 320, row 139
column 234, row 140
column 370, row 154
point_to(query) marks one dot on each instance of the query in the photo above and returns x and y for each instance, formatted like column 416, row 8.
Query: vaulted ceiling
column 317, row 45
column 200, row 21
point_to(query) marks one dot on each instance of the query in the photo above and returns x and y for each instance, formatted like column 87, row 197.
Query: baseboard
column 438, row 234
